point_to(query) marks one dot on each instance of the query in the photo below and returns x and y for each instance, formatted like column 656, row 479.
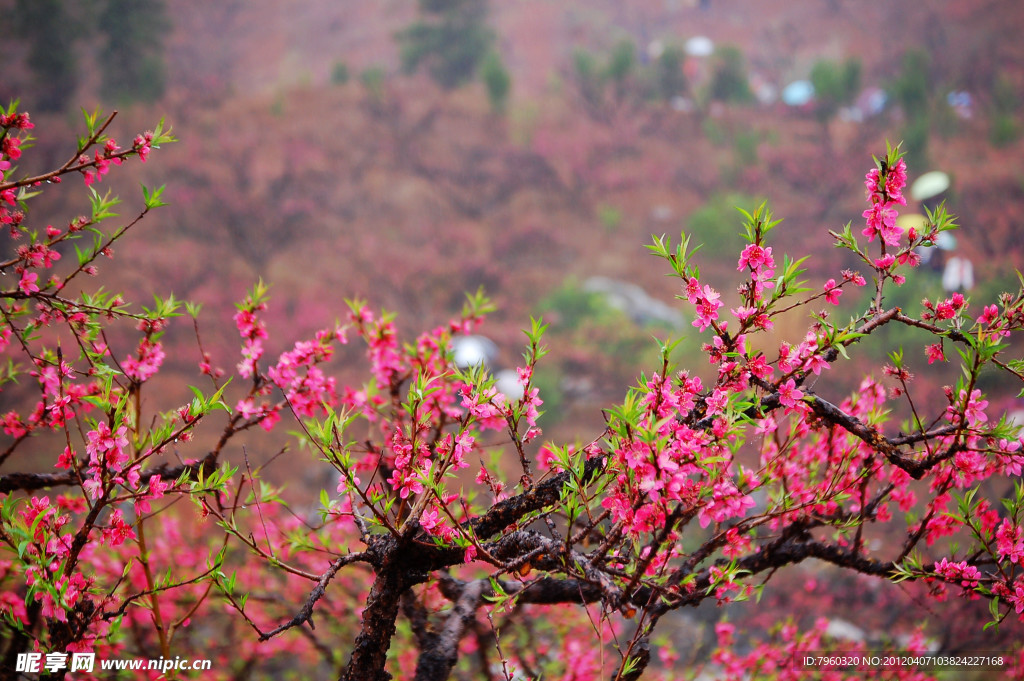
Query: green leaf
column 153, row 198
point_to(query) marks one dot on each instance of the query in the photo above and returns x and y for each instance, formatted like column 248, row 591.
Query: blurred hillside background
column 408, row 152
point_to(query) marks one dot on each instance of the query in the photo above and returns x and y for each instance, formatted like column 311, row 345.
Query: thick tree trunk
column 372, row 643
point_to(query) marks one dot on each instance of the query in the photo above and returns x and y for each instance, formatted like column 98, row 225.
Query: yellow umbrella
column 912, row 220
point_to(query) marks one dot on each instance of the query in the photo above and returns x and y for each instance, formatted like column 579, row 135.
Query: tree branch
column 306, row 613
column 436, row 661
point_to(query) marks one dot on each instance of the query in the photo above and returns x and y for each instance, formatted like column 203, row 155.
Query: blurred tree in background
column 621, row 65
column 1005, row 106
column 451, row 42
column 340, row 73
column 669, row 78
column 593, row 74
column 47, row 26
column 912, row 91
column 729, row 81
column 132, row 54
column 835, row 85
column 587, row 76
column 497, row 81
column 130, row 34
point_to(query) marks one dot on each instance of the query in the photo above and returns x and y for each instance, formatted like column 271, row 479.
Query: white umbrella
column 507, row 383
column 929, row 185
column 470, row 351
column 699, row 46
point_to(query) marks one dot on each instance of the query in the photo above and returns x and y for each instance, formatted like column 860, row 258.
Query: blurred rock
column 634, row 302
